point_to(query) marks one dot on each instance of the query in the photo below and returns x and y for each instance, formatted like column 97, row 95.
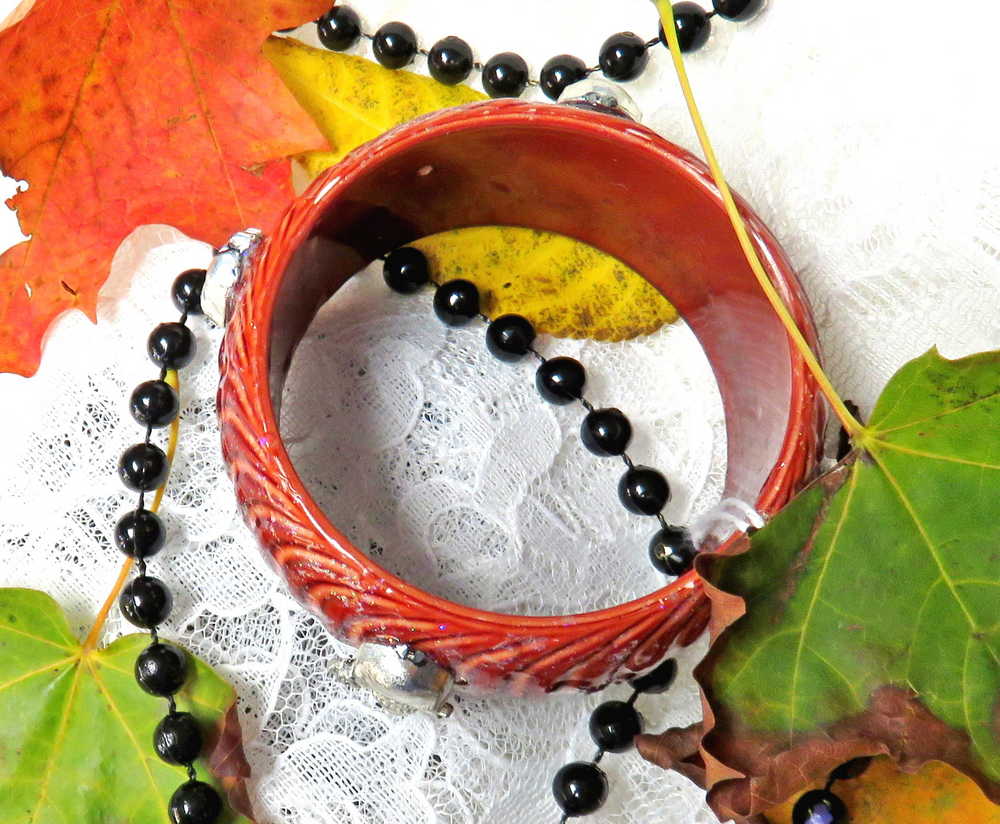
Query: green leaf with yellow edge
column 77, row 742
column 566, row 288
column 872, row 604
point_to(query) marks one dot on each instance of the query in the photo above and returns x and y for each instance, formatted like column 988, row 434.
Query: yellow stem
column 850, row 423
column 91, row 640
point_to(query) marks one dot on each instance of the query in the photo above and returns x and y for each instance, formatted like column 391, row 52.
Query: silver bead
column 403, row 678
column 226, row 268
column 602, row 95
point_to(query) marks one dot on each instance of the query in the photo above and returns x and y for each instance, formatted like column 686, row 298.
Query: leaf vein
column 797, row 666
column 57, row 742
column 64, row 137
column 932, row 455
column 205, row 113
column 936, row 416
column 26, row 675
column 9, row 628
column 921, row 529
column 140, row 751
column 850, row 686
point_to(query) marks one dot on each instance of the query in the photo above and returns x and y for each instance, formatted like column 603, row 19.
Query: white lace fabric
column 875, row 169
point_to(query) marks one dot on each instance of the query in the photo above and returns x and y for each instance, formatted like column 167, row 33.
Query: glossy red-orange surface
column 603, row 180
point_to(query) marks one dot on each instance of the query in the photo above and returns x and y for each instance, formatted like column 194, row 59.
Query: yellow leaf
column 884, row 795
column 566, row 288
column 353, row 99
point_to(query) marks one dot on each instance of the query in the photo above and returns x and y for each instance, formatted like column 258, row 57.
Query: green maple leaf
column 77, row 741
column 872, row 603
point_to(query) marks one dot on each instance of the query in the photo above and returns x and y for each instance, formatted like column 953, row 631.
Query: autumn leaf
column 353, row 100
column 567, row 289
column 16, row 14
column 884, row 795
column 78, row 730
column 871, row 606
column 120, row 113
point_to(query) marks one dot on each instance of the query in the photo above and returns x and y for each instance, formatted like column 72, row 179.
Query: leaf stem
column 850, row 423
column 90, row 642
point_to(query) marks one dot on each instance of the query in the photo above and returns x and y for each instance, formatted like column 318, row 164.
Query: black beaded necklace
column 161, row 668
column 145, row 601
column 450, row 61
column 607, row 432
column 580, row 787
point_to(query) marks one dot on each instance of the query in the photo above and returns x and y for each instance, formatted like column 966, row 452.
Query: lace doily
column 879, row 175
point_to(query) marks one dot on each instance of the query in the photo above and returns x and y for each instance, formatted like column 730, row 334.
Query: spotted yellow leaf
column 353, row 99
column 566, row 288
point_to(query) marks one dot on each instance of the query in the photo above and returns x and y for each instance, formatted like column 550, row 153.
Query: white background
column 866, row 137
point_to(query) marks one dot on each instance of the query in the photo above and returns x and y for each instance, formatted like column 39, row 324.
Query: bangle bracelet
column 567, row 169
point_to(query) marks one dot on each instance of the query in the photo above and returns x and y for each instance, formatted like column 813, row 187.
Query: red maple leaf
column 125, row 112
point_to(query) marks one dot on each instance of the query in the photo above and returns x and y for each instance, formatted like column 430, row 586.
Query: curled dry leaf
column 77, row 741
column 228, row 762
column 124, row 113
column 863, row 619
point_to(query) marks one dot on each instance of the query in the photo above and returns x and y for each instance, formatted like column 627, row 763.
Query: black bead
column 854, row 768
column 623, row 56
column 692, row 24
column 186, row 291
column 143, row 467
column 394, row 45
column 195, row 802
column 139, row 533
column 339, row 28
column 643, row 490
column 658, row 680
column 160, row 669
column 145, row 601
column 505, row 75
column 405, row 270
column 509, row 337
column 737, row 9
column 154, row 403
column 456, row 302
column 819, row 807
column 614, row 725
column 450, row 60
column 561, row 380
column 177, row 739
column 580, row 788
column 171, row 345
column 672, row 551
column 606, row 432
column 559, row 72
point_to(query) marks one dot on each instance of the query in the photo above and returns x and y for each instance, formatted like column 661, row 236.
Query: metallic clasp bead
column 225, row 269
column 601, row 95
column 403, row 677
